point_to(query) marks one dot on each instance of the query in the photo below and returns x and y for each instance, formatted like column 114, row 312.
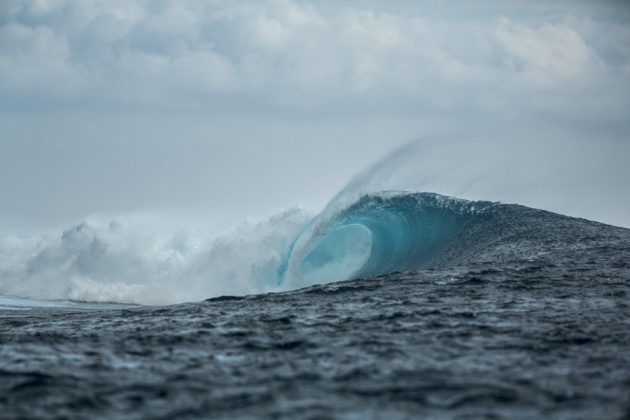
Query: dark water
column 533, row 321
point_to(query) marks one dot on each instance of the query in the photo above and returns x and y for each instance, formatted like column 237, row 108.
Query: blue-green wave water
column 381, row 233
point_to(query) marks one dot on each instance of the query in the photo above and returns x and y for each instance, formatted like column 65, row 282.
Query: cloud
column 234, row 108
column 546, row 55
column 293, row 55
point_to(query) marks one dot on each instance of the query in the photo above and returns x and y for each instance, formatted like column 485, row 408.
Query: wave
column 379, row 234
column 372, row 235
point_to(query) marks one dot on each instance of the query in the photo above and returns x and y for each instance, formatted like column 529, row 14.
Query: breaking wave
column 379, row 234
column 376, row 234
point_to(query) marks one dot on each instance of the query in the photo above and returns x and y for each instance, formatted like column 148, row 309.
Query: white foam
column 123, row 261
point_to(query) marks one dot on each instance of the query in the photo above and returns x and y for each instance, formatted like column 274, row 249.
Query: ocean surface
column 392, row 305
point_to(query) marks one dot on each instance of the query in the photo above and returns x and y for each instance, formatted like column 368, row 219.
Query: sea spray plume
column 122, row 262
column 544, row 169
column 248, row 259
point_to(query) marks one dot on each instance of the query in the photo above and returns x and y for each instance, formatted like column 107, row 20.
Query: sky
column 223, row 110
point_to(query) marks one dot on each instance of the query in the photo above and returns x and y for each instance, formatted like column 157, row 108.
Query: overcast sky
column 241, row 108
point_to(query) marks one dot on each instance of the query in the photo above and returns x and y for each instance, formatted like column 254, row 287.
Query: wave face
column 373, row 235
column 380, row 234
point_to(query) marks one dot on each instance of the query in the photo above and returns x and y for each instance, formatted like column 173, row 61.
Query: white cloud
column 301, row 55
column 548, row 54
column 35, row 60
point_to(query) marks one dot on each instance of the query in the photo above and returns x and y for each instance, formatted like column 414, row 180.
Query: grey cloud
column 301, row 55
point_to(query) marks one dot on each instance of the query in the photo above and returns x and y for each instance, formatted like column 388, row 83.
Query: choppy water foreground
column 518, row 313
column 529, row 340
